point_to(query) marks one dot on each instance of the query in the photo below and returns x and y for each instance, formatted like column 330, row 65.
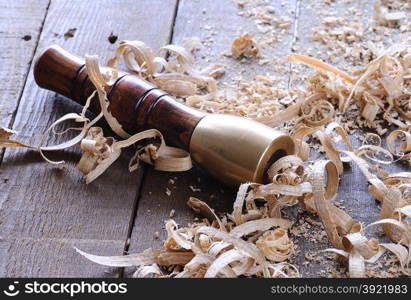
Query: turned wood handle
column 135, row 103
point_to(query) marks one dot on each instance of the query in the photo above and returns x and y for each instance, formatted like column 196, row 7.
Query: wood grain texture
column 45, row 210
column 20, row 23
column 154, row 206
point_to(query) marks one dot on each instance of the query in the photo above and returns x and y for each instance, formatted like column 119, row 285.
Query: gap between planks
column 294, row 39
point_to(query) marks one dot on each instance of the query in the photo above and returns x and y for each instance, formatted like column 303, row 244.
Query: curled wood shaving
column 101, row 81
column 6, row 142
column 356, row 265
column 239, row 203
column 178, row 237
column 222, row 261
column 96, row 148
column 403, row 234
column 400, row 251
column 147, row 257
column 178, row 77
column 5, row 133
column 316, row 111
column 248, row 248
column 359, row 250
column 399, row 144
column 357, row 242
column 283, row 166
column 245, row 46
column 169, row 258
column 302, row 148
column 259, row 225
column 284, row 115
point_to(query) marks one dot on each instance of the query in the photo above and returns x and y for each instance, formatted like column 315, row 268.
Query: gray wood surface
column 218, row 23
column 46, row 210
column 353, row 192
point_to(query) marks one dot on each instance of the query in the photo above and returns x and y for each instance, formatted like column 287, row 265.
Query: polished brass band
column 236, row 150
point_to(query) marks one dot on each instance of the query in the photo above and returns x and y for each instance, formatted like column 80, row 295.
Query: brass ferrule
column 237, row 150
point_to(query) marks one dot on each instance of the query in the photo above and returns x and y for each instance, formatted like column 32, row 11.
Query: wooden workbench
column 46, row 210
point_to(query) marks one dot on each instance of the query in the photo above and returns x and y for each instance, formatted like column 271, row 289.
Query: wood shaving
column 315, row 63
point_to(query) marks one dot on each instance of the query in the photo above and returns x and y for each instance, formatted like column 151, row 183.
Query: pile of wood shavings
column 177, row 76
column 314, row 111
column 245, row 241
column 265, row 17
column 253, row 239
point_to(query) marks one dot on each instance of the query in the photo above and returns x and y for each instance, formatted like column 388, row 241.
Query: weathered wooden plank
column 216, row 24
column 20, row 25
column 45, row 210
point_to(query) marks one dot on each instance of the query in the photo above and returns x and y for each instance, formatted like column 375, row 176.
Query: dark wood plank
column 45, row 210
column 217, row 24
column 20, row 25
